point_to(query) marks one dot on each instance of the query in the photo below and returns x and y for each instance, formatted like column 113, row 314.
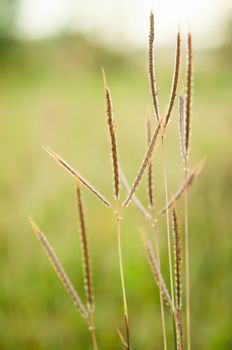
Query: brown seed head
column 151, row 69
column 188, row 93
column 112, row 133
column 174, row 81
column 59, row 270
column 85, row 252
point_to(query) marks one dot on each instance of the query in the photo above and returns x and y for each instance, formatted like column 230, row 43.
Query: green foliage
column 8, row 15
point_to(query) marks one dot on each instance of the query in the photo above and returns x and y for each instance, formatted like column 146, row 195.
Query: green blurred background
column 51, row 92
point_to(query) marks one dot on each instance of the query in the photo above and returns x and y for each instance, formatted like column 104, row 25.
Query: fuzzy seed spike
column 151, row 68
column 75, row 174
column 189, row 93
column 177, row 257
column 85, row 252
column 182, row 127
column 59, row 270
column 157, row 275
column 145, row 163
column 150, row 187
column 178, row 276
column 175, row 80
column 112, row 133
column 179, row 328
column 191, row 177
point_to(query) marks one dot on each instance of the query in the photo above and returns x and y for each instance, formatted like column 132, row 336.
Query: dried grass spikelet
column 134, row 199
column 188, row 94
column 157, row 275
column 112, row 133
column 146, row 162
column 75, row 174
column 151, row 69
column 179, row 328
column 182, row 127
column 85, row 252
column 60, row 272
column 178, row 277
column 175, row 80
column 177, row 258
column 192, row 175
column 150, row 186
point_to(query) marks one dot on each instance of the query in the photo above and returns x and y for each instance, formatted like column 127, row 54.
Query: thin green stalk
column 118, row 220
column 187, row 275
column 93, row 331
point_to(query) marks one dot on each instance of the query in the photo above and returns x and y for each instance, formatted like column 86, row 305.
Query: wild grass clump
column 156, row 130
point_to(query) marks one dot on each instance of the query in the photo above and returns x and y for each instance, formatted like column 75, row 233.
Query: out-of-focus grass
column 60, row 103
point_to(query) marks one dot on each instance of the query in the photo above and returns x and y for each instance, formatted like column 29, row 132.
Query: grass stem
column 118, row 220
column 187, row 274
column 93, row 331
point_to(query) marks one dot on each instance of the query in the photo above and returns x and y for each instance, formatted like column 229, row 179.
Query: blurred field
column 51, row 93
